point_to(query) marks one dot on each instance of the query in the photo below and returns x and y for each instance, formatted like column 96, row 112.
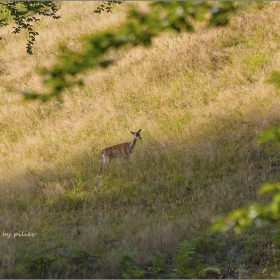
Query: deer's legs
column 101, row 167
column 105, row 163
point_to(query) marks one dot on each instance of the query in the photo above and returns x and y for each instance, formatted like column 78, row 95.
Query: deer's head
column 136, row 134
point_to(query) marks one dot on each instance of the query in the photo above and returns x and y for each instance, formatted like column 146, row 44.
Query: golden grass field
column 201, row 100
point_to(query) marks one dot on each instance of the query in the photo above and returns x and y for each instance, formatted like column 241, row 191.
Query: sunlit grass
column 200, row 100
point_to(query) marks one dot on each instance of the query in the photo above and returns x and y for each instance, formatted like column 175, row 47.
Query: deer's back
column 117, row 150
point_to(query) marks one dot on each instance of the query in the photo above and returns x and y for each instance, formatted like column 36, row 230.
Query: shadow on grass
column 167, row 194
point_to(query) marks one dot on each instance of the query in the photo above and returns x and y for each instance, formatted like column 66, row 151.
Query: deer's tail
column 102, row 154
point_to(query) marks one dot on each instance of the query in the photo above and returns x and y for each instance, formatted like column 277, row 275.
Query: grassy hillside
column 201, row 101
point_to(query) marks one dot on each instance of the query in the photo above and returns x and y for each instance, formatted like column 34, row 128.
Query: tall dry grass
column 201, row 100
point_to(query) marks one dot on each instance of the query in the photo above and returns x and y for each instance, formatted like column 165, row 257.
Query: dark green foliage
column 77, row 262
column 220, row 14
column 107, row 6
column 200, row 258
column 39, row 263
column 128, row 269
column 187, row 263
column 157, row 266
column 25, row 14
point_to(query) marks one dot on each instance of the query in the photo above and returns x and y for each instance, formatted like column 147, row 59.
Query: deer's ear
column 139, row 130
column 132, row 132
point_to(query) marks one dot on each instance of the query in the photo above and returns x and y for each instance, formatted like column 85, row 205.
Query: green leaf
column 274, row 79
column 271, row 134
column 271, row 188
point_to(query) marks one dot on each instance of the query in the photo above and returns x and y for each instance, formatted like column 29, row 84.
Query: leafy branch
column 24, row 15
column 139, row 29
column 257, row 213
column 254, row 214
column 107, row 6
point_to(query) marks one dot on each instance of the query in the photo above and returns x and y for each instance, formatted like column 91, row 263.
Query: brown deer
column 120, row 150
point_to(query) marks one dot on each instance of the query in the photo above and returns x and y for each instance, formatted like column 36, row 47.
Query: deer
column 119, row 150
